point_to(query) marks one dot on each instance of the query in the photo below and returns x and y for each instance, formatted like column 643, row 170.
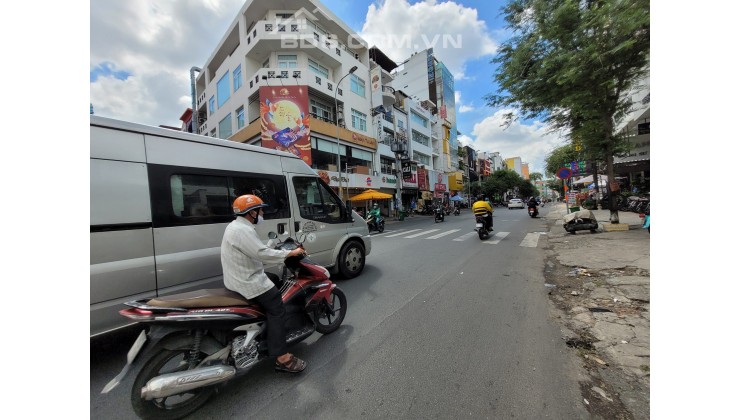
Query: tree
column 572, row 64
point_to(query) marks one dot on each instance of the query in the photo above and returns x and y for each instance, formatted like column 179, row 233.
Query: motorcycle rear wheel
column 174, row 406
column 481, row 234
column 323, row 315
column 381, row 227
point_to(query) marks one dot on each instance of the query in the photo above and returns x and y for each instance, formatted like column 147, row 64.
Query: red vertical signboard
column 284, row 120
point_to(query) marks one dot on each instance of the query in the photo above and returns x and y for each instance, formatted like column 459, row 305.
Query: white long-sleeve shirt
column 242, row 258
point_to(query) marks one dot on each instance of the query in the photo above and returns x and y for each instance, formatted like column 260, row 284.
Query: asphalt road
column 445, row 327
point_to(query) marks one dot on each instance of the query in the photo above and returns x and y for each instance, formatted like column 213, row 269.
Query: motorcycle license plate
column 479, row 225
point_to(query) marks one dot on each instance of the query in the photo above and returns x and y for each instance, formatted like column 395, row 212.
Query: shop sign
column 440, row 187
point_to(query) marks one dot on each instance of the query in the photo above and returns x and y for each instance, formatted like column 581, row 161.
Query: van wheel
column 351, row 260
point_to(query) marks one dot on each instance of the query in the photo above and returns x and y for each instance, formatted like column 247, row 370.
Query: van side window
column 317, row 201
column 183, row 196
column 199, row 195
column 268, row 190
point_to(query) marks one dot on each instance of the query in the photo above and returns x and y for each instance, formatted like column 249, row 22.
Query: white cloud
column 156, row 42
column 461, row 107
column 454, row 31
column 465, row 140
column 531, row 143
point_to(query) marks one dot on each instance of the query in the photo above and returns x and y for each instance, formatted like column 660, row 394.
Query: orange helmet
column 245, row 203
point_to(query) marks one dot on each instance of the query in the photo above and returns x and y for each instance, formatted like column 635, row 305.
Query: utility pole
column 398, row 147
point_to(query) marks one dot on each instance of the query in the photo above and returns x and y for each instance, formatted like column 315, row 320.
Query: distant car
column 516, row 203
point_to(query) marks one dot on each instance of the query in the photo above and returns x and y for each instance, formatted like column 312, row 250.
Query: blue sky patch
column 107, row 69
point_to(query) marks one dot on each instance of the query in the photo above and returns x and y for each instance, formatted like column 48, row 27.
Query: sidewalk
column 600, row 286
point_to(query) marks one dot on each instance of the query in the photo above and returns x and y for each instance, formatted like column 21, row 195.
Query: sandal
column 293, row 365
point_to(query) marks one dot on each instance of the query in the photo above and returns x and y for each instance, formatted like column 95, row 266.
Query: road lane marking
column 497, row 238
column 421, row 233
column 466, row 236
column 402, row 233
column 439, row 235
column 530, row 240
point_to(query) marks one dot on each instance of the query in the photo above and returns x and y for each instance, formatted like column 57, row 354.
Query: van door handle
column 297, row 226
column 281, row 228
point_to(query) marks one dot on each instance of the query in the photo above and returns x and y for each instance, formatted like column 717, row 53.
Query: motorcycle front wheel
column 174, row 406
column 329, row 317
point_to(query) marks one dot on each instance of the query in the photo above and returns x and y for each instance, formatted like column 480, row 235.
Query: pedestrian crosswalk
column 530, row 239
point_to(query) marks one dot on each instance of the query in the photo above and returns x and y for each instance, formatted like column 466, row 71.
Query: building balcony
column 291, row 77
column 389, row 96
column 268, row 36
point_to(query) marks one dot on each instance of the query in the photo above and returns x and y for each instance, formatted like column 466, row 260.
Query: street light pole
column 336, row 120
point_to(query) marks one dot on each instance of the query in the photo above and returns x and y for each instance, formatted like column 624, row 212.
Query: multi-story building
column 525, row 170
column 293, row 78
column 514, row 164
column 297, row 78
column 425, row 79
column 634, row 167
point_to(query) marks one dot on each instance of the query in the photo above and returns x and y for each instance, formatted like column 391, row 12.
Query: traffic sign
column 564, row 173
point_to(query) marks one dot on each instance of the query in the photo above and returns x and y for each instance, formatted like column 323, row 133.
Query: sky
column 141, row 52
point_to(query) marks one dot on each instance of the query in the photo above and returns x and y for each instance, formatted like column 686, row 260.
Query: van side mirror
column 272, row 235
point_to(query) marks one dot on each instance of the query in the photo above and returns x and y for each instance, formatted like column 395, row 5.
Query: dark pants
column 272, row 302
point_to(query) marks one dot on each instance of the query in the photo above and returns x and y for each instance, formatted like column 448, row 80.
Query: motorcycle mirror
column 272, row 235
column 301, row 236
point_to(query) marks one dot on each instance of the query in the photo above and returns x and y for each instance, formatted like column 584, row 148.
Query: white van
column 161, row 199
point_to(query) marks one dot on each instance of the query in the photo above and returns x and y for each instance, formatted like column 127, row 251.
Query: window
column 283, row 15
column 238, row 77
column 423, row 159
column 223, row 90
column 318, row 68
column 419, row 138
column 240, row 118
column 357, row 85
column 387, row 137
column 321, row 111
column 317, row 201
column 199, row 196
column 266, row 64
column 287, row 61
column 386, row 165
column 400, row 123
column 213, row 133
column 418, row 119
column 224, row 127
column 211, row 105
column 359, row 120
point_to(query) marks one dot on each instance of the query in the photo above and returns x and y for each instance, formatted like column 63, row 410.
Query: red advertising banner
column 440, row 187
column 423, row 185
column 284, row 120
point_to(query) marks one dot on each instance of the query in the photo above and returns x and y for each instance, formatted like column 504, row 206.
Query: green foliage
column 559, row 156
column 570, row 64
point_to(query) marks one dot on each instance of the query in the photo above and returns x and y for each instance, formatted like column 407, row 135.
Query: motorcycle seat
column 203, row 298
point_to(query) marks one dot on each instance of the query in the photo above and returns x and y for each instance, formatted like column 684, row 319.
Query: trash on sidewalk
column 550, row 286
column 595, row 359
column 579, row 272
column 599, row 310
column 574, row 293
column 602, row 393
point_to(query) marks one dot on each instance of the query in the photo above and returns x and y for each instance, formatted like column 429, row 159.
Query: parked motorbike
column 533, row 211
column 457, row 211
column 580, row 220
column 198, row 341
column 481, row 225
column 439, row 215
column 373, row 225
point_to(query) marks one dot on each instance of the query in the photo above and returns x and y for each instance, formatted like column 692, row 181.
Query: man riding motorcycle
column 532, row 203
column 481, row 207
column 374, row 214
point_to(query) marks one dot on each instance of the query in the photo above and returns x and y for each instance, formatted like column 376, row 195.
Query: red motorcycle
column 199, row 340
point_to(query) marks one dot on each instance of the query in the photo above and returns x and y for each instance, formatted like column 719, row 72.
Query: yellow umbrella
column 370, row 195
